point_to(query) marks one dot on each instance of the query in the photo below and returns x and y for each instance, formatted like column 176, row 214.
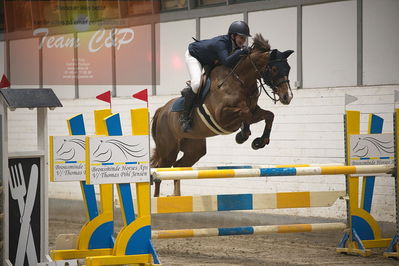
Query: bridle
column 264, row 75
column 268, row 79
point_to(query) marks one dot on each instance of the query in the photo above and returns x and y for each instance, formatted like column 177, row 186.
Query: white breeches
column 195, row 70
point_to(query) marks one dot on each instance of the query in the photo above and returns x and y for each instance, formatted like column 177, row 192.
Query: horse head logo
column 69, row 149
column 113, row 148
column 364, row 146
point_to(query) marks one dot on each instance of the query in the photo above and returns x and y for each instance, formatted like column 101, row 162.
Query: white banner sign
column 371, row 149
column 118, row 159
column 68, row 158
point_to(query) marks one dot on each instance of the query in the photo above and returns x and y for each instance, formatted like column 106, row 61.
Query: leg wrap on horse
column 185, row 119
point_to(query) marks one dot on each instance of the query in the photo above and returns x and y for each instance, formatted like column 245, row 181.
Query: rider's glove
column 245, row 50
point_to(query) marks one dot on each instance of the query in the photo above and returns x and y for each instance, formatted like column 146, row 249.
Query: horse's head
column 274, row 68
column 69, row 149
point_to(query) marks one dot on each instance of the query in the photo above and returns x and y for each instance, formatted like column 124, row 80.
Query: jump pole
column 248, row 230
column 285, row 171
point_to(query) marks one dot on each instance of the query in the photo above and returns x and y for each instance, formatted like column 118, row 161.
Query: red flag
column 4, row 83
column 106, row 97
column 141, row 95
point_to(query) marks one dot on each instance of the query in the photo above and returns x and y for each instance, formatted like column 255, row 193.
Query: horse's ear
column 287, row 53
column 273, row 54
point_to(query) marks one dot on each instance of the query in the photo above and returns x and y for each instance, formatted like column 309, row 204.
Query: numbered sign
column 67, row 158
column 371, row 149
column 117, row 159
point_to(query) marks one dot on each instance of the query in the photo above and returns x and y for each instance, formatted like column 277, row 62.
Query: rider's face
column 240, row 40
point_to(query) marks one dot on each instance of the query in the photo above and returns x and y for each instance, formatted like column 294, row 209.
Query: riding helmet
column 239, row 27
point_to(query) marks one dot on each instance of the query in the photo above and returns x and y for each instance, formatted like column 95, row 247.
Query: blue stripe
column 285, row 171
column 368, row 193
column 376, row 125
column 385, row 158
column 107, row 163
column 90, row 198
column 245, row 230
column 127, row 201
column 71, row 162
column 365, row 158
column 114, row 125
column 234, row 167
column 234, row 202
column 131, row 162
column 77, row 125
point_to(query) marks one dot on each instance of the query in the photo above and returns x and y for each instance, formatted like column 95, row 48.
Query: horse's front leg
column 244, row 133
column 258, row 115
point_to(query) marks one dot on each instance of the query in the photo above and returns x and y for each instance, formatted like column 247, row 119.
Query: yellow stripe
column 142, row 259
column 51, row 158
column 99, row 122
column 292, row 228
column 216, row 173
column 354, row 193
column 293, row 200
column 68, row 254
column 334, row 170
column 352, row 127
column 377, row 243
column 87, row 160
column 175, row 204
column 175, row 233
column 139, row 118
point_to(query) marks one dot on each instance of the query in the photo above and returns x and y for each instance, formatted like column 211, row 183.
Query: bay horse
column 231, row 104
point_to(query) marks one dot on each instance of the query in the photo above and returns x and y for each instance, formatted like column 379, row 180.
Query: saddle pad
column 178, row 105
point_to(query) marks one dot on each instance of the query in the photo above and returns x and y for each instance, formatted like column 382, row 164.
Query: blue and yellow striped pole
column 248, row 230
column 284, row 171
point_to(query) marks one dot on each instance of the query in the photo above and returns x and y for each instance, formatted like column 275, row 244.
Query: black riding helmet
column 239, row 27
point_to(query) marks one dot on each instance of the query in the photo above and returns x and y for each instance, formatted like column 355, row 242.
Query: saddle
column 203, row 91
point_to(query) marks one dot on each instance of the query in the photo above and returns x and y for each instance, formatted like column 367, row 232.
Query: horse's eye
column 275, row 70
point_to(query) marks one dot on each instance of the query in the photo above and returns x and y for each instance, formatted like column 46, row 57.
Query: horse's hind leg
column 193, row 149
column 165, row 159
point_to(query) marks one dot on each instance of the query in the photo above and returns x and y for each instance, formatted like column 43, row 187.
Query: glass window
column 211, row 2
column 173, row 4
column 45, row 13
column 18, row 15
column 136, row 7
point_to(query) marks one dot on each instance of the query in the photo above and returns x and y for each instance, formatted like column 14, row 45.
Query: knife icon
column 25, row 221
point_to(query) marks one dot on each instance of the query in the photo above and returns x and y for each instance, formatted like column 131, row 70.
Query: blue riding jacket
column 216, row 50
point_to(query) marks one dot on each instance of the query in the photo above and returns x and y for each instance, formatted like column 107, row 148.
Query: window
column 173, row 4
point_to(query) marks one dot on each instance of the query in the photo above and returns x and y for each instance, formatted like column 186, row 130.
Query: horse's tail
column 155, row 157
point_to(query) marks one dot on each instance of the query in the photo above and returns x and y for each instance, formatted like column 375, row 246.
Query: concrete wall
column 309, row 130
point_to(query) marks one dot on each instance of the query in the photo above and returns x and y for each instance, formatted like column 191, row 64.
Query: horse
column 231, row 104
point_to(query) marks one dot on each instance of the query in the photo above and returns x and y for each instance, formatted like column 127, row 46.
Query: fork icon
column 18, row 192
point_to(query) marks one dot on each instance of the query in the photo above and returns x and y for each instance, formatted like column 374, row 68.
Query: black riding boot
column 185, row 118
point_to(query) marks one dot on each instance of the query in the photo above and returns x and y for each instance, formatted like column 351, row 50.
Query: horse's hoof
column 258, row 143
column 240, row 138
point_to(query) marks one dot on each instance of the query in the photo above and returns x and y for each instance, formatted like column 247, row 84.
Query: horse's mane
column 260, row 43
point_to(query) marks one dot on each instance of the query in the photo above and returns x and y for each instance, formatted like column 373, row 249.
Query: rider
column 224, row 49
